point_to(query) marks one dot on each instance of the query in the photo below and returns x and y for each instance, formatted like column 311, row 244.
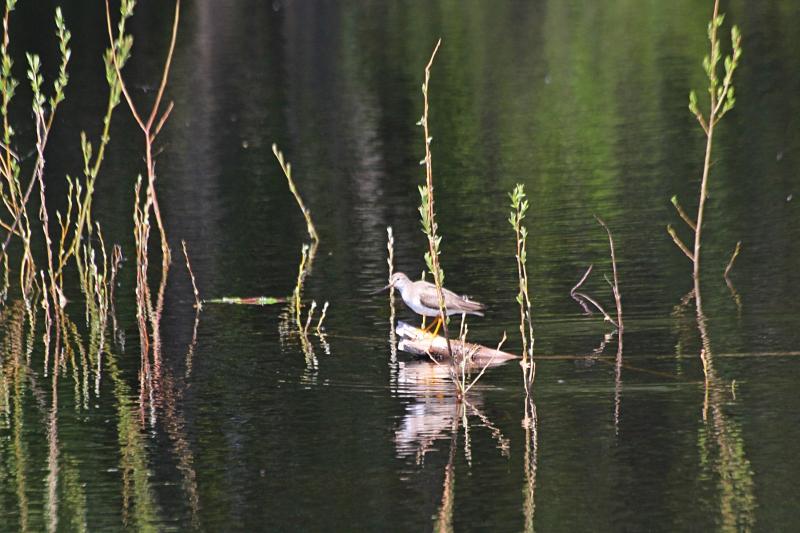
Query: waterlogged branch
column 583, row 298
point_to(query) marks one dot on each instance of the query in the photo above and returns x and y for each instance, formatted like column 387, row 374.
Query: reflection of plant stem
column 390, row 262
column 737, row 497
column 467, row 440
column 734, row 293
column 302, row 271
column 444, row 520
column 20, row 465
column 136, row 490
column 291, row 319
column 531, row 425
column 172, row 391
column 52, row 458
column 618, row 386
column 737, row 298
column 502, row 442
column 192, row 344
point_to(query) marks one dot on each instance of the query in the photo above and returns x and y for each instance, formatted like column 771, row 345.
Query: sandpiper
column 422, row 298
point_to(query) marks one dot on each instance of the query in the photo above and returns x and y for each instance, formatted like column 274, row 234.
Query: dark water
column 584, row 103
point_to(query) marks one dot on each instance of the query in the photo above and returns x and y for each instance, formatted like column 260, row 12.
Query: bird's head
column 398, row 281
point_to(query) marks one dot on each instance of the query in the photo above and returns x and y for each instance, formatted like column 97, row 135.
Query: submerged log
column 415, row 341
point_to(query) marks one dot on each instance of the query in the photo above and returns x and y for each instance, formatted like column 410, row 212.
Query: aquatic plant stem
column 615, row 285
column 721, row 100
column 198, row 303
column 732, row 259
column 91, row 170
column 427, row 208
column 287, row 171
column 150, row 134
column 701, row 210
column 519, row 207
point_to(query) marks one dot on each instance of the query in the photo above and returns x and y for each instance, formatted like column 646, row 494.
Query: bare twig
column 733, row 258
column 583, row 298
column 615, row 286
column 577, row 296
column 580, row 282
column 489, row 362
column 150, row 134
column 310, row 316
column 198, row 303
column 682, row 214
column 322, row 317
column 679, row 243
column 287, row 170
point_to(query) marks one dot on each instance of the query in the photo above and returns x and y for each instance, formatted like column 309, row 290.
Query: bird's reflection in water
column 435, row 413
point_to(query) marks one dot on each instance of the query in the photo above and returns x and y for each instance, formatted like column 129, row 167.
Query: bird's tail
column 473, row 308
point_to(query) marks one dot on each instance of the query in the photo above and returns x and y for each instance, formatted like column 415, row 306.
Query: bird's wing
column 429, row 298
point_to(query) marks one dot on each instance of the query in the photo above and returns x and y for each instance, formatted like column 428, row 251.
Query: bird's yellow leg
column 438, row 325
column 427, row 328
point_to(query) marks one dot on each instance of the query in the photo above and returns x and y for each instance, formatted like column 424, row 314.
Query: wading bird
column 422, row 298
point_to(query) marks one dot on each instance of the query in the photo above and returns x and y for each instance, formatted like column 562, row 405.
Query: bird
column 422, row 298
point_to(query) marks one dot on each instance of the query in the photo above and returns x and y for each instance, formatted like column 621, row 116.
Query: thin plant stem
column 322, row 317
column 198, row 303
column 519, row 207
column 150, row 134
column 427, row 208
column 721, row 100
column 615, row 286
column 733, row 258
column 287, row 170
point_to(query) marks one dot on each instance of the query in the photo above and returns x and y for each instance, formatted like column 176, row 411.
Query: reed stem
column 426, row 209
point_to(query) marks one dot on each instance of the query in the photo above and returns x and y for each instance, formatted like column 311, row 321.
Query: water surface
column 585, row 104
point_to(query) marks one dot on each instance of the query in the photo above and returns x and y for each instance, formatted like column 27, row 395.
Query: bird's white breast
column 414, row 303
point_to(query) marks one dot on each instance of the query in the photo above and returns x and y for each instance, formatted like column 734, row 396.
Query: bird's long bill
column 381, row 290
